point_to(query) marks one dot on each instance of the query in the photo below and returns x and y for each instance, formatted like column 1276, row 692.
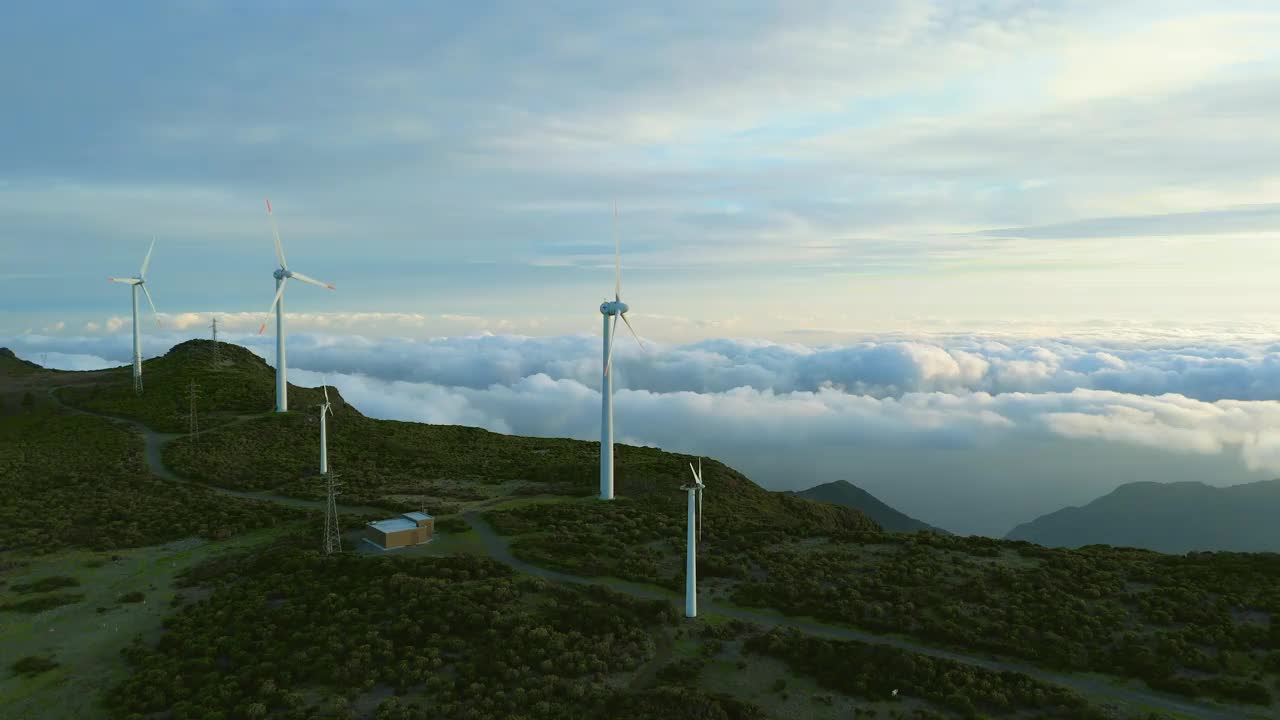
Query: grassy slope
column 745, row 526
column 81, row 481
column 398, row 464
column 241, row 384
column 87, row 643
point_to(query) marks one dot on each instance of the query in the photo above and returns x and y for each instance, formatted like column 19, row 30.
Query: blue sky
column 776, row 166
column 982, row 258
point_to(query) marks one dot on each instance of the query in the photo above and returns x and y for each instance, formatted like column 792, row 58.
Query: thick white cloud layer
column 766, row 406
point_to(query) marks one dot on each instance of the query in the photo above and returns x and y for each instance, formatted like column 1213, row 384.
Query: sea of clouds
column 975, row 434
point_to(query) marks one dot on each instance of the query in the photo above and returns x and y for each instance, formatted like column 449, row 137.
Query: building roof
column 417, row 516
column 394, row 525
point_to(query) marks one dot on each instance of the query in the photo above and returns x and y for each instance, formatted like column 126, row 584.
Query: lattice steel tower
column 332, row 535
column 217, row 349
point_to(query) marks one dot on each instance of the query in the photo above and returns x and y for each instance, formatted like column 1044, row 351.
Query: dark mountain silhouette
column 1167, row 517
column 11, row 364
column 843, row 492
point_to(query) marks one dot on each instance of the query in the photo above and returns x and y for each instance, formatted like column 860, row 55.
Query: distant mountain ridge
column 1167, row 517
column 843, row 492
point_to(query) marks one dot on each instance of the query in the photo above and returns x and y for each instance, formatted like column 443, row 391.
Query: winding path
column 155, row 442
column 498, row 547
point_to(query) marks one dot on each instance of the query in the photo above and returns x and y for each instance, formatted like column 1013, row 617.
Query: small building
column 413, row 528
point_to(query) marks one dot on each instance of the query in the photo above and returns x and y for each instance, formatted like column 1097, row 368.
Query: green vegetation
column 885, row 673
column 452, row 524
column 641, row 537
column 242, row 384
column 1195, row 625
column 294, row 634
column 45, row 584
column 33, row 665
column 86, row 637
column 81, row 481
column 288, row 633
column 14, row 366
column 41, row 603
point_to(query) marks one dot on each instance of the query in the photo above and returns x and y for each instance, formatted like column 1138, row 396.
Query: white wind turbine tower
column 282, row 275
column 140, row 281
column 332, row 536
column 616, row 309
column 325, row 409
column 691, row 554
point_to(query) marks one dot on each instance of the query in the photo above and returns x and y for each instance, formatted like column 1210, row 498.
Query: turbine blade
column 696, row 479
column 126, row 281
column 146, row 261
column 275, row 232
column 633, row 331
column 150, row 302
column 608, row 356
column 279, row 292
column 313, row 281
column 326, row 391
column 617, row 257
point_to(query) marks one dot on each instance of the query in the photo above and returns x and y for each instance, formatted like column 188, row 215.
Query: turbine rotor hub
column 613, row 307
column 280, row 274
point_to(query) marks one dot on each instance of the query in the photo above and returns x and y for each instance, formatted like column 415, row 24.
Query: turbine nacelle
column 614, row 307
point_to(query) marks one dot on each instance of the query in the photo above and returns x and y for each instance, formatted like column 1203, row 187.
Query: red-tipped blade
column 264, row 327
column 268, row 206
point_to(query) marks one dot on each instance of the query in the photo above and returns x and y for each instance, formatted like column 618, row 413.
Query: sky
column 816, row 202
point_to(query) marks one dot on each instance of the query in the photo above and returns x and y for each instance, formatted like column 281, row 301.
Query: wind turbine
column 325, row 408
column 140, row 281
column 332, row 536
column 615, row 309
column 282, row 275
column 691, row 554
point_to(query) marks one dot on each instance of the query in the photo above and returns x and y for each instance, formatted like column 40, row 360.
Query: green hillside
column 843, row 492
column 1167, row 517
column 397, row 464
column 1198, row 625
column 77, row 481
column 238, row 384
column 12, row 365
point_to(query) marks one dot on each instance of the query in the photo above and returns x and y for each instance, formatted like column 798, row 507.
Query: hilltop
column 399, row 465
column 484, row 616
column 1167, row 517
column 11, row 364
column 843, row 492
column 233, row 383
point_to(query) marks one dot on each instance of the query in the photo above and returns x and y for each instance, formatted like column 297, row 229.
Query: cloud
column 114, row 323
column 793, row 415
